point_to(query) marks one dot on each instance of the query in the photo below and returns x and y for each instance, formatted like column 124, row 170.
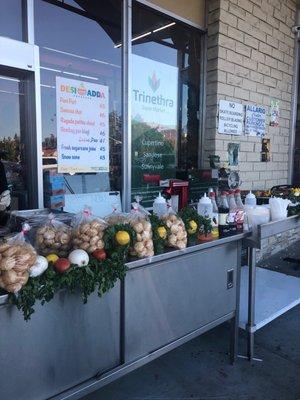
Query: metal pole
column 126, row 102
column 251, row 302
column 294, row 112
column 235, row 321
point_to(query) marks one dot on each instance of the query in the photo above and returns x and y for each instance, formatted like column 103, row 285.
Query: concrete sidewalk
column 200, row 369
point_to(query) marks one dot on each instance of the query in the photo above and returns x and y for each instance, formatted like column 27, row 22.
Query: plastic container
column 257, row 216
column 250, row 199
column 278, row 208
column 205, row 207
column 160, row 206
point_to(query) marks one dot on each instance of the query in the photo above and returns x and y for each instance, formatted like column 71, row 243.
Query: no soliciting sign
column 231, row 117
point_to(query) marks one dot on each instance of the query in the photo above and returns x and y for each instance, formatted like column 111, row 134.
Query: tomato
column 99, row 254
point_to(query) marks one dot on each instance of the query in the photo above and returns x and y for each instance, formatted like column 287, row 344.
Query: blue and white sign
column 255, row 122
column 231, row 117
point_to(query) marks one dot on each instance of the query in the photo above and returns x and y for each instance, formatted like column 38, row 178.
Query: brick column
column 250, row 60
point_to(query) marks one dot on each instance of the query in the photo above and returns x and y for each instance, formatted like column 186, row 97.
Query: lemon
column 52, row 258
column 193, row 227
column 122, row 237
column 162, row 232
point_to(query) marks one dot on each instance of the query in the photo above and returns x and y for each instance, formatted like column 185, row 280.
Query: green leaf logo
column 154, row 83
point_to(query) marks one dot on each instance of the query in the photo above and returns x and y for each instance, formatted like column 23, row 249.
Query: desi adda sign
column 255, row 121
column 82, row 126
column 231, row 117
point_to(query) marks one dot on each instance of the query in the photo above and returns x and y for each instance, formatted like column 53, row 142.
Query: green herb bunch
column 159, row 242
column 190, row 216
column 97, row 275
column 113, row 248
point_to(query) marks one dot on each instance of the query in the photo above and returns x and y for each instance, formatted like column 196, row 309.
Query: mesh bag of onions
column 16, row 258
column 53, row 236
column 178, row 236
column 139, row 220
column 88, row 231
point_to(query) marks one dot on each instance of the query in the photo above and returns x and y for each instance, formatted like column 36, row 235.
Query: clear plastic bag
column 178, row 235
column 16, row 258
column 116, row 217
column 88, row 231
column 53, row 236
column 139, row 220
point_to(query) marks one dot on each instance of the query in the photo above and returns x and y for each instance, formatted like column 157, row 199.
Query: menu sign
column 255, row 122
column 82, row 126
column 231, row 117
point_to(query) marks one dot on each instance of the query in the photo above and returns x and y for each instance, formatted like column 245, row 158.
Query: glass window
column 165, row 100
column 11, row 19
column 12, row 140
column 80, row 57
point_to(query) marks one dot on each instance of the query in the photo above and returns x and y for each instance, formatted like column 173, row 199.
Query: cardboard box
column 54, row 202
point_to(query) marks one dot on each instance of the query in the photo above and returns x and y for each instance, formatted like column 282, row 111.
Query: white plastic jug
column 205, row 207
column 250, row 199
column 160, row 206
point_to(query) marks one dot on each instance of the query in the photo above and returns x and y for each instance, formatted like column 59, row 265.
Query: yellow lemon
column 296, row 192
column 52, row 258
column 162, row 232
column 122, row 237
column 193, row 227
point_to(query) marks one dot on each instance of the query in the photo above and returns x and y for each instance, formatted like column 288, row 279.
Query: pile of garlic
column 144, row 243
column 178, row 235
column 88, row 236
column 54, row 239
column 15, row 262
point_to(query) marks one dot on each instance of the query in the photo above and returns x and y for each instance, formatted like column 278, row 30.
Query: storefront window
column 12, row 140
column 80, row 58
column 11, row 19
column 165, row 100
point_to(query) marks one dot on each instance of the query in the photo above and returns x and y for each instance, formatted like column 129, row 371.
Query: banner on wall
column 231, row 117
column 82, row 126
column 255, row 121
column 154, row 119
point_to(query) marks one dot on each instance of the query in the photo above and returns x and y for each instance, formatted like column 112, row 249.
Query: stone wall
column 276, row 243
column 250, row 60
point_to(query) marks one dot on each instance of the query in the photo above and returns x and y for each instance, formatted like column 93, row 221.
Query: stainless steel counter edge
column 169, row 255
column 192, row 249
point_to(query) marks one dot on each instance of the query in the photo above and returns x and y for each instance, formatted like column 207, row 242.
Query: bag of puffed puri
column 88, row 231
column 53, row 236
column 178, row 236
column 16, row 258
column 116, row 217
column 139, row 220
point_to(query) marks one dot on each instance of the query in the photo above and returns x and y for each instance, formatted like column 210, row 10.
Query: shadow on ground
column 200, row 369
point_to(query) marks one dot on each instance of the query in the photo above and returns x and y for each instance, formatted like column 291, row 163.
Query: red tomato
column 99, row 254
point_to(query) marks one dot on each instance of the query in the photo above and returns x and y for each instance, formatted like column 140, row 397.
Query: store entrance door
column 19, row 165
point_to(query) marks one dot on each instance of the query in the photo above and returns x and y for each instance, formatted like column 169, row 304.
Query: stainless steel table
column 255, row 242
column 69, row 349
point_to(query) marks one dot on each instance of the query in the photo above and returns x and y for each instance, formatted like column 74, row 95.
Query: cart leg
column 234, row 331
column 251, row 303
column 234, row 339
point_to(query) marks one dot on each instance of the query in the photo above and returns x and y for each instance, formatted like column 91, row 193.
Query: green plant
column 111, row 244
column 97, row 275
column 159, row 240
